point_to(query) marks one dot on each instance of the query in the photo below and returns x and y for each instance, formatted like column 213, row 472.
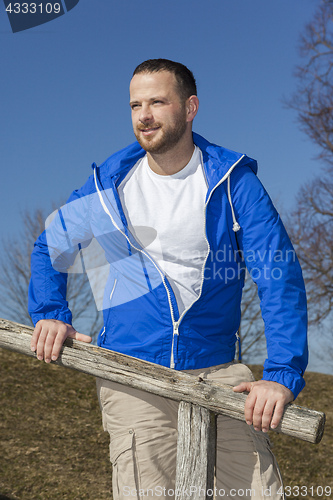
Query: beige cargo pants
column 143, row 442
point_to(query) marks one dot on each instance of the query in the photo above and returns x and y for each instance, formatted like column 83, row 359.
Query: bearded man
column 164, row 210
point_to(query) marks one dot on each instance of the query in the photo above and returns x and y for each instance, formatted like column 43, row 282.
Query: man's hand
column 265, row 403
column 49, row 335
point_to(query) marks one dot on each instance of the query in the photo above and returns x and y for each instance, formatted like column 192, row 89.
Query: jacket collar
column 217, row 161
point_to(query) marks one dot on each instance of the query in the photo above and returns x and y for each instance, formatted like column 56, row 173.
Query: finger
column 267, row 416
column 81, row 336
column 244, row 386
column 35, row 336
column 258, row 411
column 63, row 332
column 278, row 412
column 249, row 407
column 48, row 344
column 41, row 342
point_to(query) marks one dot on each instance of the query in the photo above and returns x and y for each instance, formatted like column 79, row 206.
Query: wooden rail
column 200, row 401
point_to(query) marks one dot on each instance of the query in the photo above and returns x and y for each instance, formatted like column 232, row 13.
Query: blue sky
column 64, row 90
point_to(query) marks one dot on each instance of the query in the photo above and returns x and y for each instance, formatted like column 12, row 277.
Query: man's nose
column 146, row 114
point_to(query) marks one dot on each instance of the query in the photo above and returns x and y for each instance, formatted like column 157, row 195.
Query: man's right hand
column 49, row 335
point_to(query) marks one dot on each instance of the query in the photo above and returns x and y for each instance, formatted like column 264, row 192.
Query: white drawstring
column 236, row 227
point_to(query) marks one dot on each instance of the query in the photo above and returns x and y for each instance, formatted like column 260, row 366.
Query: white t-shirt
column 166, row 215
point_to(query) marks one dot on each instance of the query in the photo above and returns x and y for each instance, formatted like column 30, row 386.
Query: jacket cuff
column 287, row 377
column 66, row 317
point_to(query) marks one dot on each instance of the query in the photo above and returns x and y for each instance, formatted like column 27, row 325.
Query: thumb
column 244, row 386
column 80, row 336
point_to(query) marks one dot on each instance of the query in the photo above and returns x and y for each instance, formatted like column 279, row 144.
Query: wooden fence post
column 196, row 452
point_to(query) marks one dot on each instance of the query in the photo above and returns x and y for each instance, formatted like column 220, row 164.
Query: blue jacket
column 141, row 318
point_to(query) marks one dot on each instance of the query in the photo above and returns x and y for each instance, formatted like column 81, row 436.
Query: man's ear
column 192, row 106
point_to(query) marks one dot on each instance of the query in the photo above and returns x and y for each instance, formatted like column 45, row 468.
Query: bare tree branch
column 15, row 277
column 313, row 99
column 252, row 329
column 310, row 225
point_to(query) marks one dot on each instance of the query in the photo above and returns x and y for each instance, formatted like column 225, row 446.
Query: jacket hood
column 223, row 156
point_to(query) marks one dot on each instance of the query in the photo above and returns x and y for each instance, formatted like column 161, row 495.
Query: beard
column 168, row 136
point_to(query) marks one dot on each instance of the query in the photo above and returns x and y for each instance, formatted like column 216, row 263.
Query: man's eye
column 135, row 106
column 158, row 102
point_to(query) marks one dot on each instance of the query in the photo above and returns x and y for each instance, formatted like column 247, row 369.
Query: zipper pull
column 175, row 332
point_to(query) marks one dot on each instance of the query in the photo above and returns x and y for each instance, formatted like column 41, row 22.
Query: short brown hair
column 184, row 77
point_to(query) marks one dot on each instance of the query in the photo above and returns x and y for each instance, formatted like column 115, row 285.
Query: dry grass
column 52, row 442
column 301, row 463
column 53, row 445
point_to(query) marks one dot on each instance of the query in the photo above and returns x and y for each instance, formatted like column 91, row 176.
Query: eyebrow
column 156, row 98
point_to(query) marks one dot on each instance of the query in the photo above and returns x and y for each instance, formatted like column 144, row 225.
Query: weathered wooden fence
column 200, row 402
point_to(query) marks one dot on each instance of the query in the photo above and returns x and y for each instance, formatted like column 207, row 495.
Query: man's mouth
column 148, row 131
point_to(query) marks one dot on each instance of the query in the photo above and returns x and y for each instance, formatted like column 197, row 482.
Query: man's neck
column 172, row 161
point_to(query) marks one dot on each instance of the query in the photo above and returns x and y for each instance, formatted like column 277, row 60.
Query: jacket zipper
column 174, row 333
column 112, row 292
column 177, row 323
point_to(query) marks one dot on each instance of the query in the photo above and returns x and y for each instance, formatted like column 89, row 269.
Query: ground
column 53, row 445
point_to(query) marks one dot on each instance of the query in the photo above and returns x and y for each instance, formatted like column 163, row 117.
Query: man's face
column 158, row 114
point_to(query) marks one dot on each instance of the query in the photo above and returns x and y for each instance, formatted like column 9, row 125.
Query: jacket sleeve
column 273, row 265
column 53, row 254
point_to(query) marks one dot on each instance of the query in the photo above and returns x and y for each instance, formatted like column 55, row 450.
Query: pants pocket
column 267, row 467
column 125, row 471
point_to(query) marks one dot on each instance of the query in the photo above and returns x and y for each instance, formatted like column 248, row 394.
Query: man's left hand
column 265, row 403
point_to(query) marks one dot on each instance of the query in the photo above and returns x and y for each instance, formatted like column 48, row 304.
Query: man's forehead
column 164, row 80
